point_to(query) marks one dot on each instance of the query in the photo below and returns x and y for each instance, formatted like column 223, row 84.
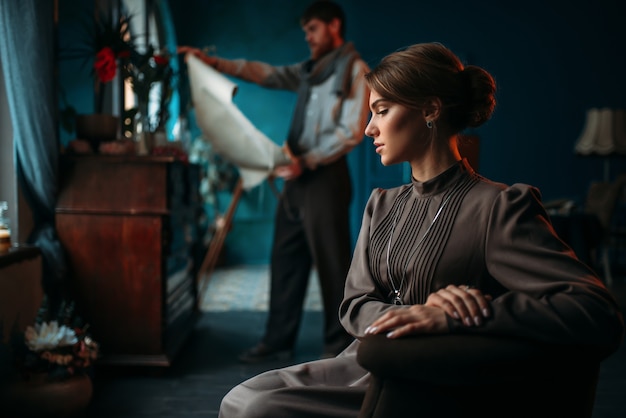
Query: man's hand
column 292, row 170
column 207, row 59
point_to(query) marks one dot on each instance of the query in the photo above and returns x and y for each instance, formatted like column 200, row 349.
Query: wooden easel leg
column 217, row 243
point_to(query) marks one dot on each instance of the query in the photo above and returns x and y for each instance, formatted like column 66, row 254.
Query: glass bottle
column 5, row 228
column 143, row 134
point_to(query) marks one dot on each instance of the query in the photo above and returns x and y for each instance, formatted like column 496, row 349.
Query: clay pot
column 38, row 397
column 97, row 128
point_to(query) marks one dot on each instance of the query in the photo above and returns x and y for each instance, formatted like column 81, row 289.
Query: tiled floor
column 246, row 288
column 207, row 367
column 204, row 371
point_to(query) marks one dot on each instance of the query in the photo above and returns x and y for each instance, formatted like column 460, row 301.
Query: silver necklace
column 395, row 295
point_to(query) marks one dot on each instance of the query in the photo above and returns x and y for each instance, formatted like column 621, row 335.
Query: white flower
column 49, row 336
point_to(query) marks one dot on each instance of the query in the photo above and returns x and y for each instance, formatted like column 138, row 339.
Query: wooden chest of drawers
column 128, row 225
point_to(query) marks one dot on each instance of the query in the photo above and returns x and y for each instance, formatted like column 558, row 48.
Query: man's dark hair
column 325, row 11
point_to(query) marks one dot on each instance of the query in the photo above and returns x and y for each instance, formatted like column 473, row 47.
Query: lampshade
column 604, row 132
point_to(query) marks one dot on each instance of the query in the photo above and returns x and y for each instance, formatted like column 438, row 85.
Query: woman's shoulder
column 488, row 187
column 379, row 193
column 384, row 198
column 507, row 197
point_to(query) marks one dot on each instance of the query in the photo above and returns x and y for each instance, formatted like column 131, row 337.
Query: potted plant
column 54, row 362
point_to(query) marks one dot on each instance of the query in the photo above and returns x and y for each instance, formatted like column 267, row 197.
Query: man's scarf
column 339, row 61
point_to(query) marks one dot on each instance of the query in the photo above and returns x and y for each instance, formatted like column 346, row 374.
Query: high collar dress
column 457, row 228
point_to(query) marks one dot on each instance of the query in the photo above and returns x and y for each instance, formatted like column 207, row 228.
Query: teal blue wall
column 552, row 61
column 75, row 60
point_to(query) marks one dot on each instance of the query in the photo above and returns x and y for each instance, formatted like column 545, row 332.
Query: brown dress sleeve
column 550, row 295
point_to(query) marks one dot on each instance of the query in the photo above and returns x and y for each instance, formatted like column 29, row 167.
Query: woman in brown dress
column 450, row 253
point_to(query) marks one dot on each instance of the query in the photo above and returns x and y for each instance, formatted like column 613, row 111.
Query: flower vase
column 40, row 397
column 143, row 134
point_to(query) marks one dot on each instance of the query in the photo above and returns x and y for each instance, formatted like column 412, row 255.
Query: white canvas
column 230, row 132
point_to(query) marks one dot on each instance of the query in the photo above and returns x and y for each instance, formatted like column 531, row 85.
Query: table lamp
column 604, row 134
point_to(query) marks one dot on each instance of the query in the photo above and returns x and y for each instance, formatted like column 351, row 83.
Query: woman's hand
column 460, row 302
column 414, row 319
column 464, row 303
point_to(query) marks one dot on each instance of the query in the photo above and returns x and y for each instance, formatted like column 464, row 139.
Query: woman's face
column 400, row 133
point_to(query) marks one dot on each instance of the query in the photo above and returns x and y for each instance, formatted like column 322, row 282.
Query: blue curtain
column 27, row 51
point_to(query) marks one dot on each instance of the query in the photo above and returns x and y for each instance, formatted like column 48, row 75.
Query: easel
column 222, row 226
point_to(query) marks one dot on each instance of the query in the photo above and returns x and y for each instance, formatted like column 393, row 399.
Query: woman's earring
column 429, row 123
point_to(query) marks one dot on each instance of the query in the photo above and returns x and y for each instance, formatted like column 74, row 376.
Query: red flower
column 161, row 60
column 105, row 64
